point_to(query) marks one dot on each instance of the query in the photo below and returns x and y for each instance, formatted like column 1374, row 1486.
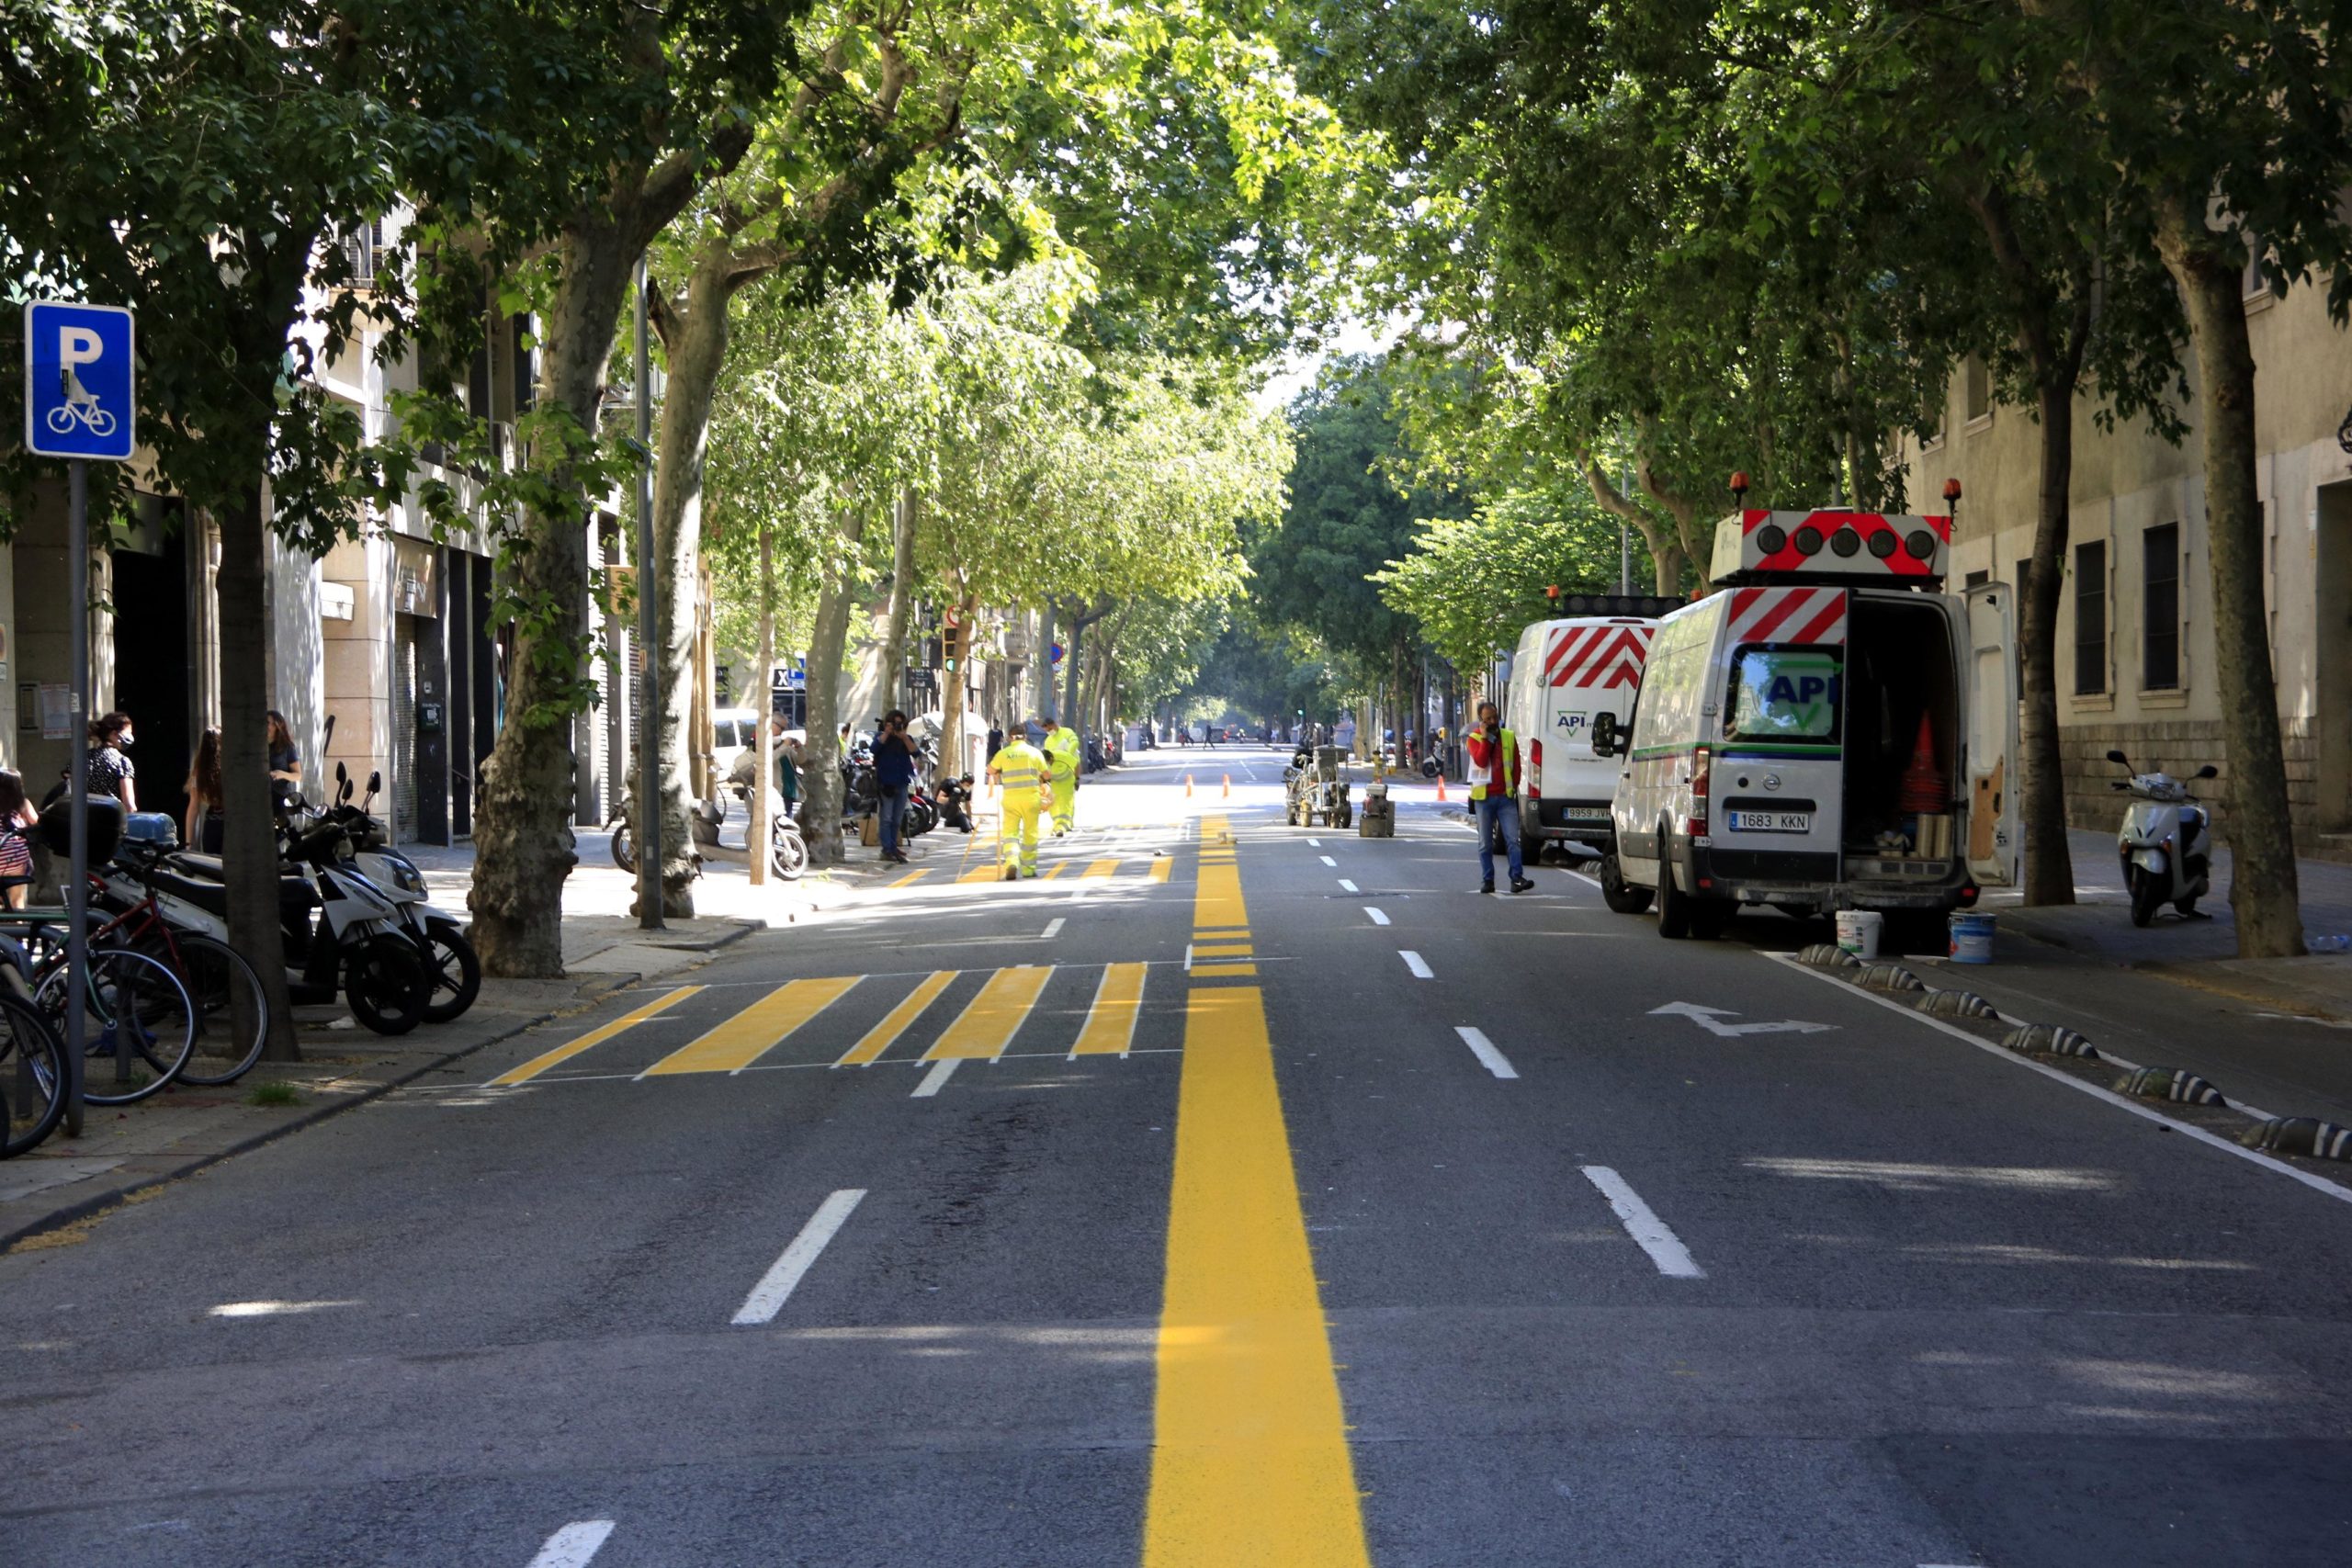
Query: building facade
column 2135, row 636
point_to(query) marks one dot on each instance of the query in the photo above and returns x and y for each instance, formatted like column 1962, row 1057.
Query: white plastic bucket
column 1858, row 932
column 1972, row 938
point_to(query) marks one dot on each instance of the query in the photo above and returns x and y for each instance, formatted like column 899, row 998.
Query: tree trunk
column 2041, row 808
column 695, row 341
column 1045, row 663
column 820, row 779
column 905, row 518
column 2263, row 888
column 1665, row 549
column 249, row 860
column 522, row 843
column 952, row 749
column 761, row 825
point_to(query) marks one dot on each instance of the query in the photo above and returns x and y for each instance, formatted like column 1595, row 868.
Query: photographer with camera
column 894, row 774
column 1494, row 797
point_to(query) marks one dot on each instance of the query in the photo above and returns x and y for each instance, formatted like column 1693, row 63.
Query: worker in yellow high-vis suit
column 1061, row 771
column 1020, row 769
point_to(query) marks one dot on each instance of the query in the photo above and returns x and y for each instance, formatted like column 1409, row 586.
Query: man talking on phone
column 1494, row 797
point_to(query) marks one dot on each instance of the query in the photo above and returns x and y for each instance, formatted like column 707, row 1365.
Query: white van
column 1561, row 674
column 1831, row 730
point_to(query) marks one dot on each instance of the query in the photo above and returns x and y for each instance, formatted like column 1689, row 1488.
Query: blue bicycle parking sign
column 78, row 397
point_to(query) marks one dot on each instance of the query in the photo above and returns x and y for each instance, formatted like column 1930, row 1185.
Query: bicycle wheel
column 232, row 1017
column 32, row 1076
column 130, row 994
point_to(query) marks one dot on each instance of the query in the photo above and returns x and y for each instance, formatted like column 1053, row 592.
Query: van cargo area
column 1899, row 668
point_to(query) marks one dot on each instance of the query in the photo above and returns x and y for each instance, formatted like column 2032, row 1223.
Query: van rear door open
column 1995, row 843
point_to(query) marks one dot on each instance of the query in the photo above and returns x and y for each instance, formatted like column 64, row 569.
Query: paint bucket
column 1858, row 932
column 1972, row 938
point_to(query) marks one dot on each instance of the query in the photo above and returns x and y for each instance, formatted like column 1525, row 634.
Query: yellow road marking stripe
column 1101, row 868
column 983, row 873
column 1216, row 971
column 594, row 1037
column 885, row 1034
column 912, row 877
column 1111, row 1022
column 1161, row 867
column 756, row 1030
column 1056, row 870
column 1250, row 1460
column 1220, row 950
column 988, row 1022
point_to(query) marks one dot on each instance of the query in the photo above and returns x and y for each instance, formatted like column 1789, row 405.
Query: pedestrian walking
column 1019, row 770
column 204, row 827
column 894, row 775
column 17, row 819
column 1061, row 773
column 996, row 739
column 1494, row 797
column 285, row 761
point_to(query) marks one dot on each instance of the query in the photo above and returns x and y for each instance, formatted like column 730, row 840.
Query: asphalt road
column 1265, row 1262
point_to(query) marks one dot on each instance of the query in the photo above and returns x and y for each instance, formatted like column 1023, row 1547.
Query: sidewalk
column 126, row 1150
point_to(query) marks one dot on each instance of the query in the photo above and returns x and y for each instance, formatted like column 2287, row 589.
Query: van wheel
column 1673, row 907
column 1616, row 894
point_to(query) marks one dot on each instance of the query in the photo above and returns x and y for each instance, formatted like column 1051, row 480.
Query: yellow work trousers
column 1065, row 803
column 1016, row 830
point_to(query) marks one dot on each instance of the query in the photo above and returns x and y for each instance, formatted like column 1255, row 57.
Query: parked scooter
column 2166, row 843
column 448, row 952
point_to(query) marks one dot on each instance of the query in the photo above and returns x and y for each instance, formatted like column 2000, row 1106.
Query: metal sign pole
column 648, row 825
column 77, row 880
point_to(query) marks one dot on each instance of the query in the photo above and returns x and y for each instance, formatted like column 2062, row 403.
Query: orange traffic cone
column 1188, row 787
column 1924, row 788
column 1441, row 787
column 1228, row 786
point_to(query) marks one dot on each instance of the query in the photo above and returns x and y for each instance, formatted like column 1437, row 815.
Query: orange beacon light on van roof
column 1757, row 546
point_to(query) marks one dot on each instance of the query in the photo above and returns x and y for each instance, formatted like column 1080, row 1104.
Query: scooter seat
column 294, row 892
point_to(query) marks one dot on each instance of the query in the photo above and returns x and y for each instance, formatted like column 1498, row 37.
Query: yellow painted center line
column 987, row 1026
column 885, row 1034
column 912, row 877
column 594, row 1037
column 756, row 1030
column 1110, row 1022
column 1249, row 1460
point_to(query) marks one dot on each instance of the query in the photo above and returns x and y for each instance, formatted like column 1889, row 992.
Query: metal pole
column 77, row 892
column 651, row 647
column 1625, row 542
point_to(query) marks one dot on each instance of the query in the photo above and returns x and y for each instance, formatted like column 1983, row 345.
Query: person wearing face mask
column 106, row 769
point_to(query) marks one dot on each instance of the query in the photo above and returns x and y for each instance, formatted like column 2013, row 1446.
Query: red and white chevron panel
column 1788, row 616
column 1604, row 656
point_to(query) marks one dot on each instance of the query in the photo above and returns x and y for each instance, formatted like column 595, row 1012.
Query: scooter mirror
column 2208, row 771
column 340, row 776
column 2119, row 757
column 375, row 781
column 343, row 793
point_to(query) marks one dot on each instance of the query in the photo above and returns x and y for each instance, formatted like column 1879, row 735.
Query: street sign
column 78, row 401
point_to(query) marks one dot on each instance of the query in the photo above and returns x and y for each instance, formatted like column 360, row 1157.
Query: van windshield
column 1786, row 694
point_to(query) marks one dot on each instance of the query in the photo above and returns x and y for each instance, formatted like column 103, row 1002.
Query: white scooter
column 2166, row 843
column 449, row 954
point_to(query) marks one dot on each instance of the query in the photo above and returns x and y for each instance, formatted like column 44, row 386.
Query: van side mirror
column 2208, row 771
column 1605, row 739
column 2119, row 757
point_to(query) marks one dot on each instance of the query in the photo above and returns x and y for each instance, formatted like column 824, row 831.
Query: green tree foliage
column 1473, row 583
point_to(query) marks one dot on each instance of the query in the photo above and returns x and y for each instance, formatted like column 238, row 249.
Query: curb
column 593, row 991
column 2190, row 975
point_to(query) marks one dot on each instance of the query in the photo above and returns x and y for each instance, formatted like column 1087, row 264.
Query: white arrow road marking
column 1484, row 1049
column 1378, row 918
column 573, row 1545
column 1649, row 1232
column 1711, row 1020
column 1417, row 964
column 936, row 1079
column 776, row 1284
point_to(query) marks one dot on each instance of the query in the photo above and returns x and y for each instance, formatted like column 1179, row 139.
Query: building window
column 2090, row 619
column 1975, row 388
column 2160, row 609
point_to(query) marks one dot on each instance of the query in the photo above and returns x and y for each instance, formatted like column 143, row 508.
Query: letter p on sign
column 80, row 398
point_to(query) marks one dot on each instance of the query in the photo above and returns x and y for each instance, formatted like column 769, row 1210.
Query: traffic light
column 951, row 646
